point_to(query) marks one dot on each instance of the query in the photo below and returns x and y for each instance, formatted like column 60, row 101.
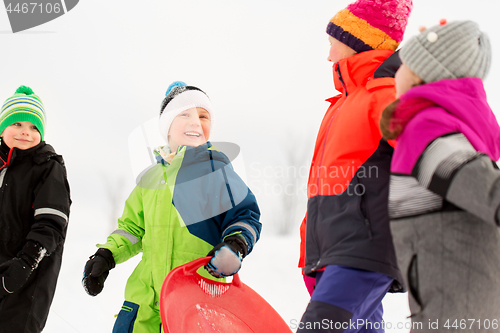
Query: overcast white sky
column 102, row 70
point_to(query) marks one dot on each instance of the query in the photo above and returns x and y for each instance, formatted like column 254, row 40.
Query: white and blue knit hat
column 181, row 97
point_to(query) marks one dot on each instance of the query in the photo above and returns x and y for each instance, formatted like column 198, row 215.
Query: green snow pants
column 140, row 312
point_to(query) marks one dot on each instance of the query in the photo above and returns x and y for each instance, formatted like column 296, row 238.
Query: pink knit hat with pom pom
column 371, row 24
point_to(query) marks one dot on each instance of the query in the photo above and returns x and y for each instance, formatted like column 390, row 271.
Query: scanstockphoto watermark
column 274, row 188
column 286, row 180
column 26, row 14
column 258, row 170
column 358, row 324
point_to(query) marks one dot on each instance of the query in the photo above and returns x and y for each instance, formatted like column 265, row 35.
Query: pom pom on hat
column 371, row 24
column 24, row 105
column 181, row 97
column 448, row 51
column 24, row 90
column 173, row 85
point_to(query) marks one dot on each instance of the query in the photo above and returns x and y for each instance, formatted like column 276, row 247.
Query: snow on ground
column 271, row 270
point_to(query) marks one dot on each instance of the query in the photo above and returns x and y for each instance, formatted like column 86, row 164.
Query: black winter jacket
column 34, row 205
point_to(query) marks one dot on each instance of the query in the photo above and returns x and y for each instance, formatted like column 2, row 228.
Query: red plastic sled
column 190, row 303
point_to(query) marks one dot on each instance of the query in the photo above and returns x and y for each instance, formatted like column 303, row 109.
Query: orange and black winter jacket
column 347, row 221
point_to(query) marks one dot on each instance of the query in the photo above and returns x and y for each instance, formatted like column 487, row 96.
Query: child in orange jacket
column 348, row 245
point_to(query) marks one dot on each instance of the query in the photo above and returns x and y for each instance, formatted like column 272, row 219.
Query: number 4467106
column 34, row 7
column 470, row 323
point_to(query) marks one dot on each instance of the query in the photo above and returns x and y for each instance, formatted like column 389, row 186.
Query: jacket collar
column 162, row 155
column 5, row 155
column 466, row 111
column 355, row 71
column 8, row 154
column 4, row 150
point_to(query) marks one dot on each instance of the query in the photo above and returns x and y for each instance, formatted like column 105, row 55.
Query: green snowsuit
column 177, row 213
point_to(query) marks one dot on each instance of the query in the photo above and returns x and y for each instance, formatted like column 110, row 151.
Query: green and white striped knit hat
column 24, row 105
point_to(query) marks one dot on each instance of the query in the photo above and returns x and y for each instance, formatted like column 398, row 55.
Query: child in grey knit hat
column 444, row 196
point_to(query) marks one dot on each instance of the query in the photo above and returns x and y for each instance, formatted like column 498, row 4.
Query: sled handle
column 192, row 266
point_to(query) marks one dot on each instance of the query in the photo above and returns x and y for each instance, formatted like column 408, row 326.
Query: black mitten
column 97, row 270
column 227, row 257
column 15, row 272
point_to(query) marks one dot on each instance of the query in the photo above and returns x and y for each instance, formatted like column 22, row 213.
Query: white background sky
column 102, row 69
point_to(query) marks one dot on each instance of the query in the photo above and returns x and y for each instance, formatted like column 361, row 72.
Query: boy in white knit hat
column 444, row 200
column 189, row 205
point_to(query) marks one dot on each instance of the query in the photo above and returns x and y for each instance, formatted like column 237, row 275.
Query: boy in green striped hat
column 22, row 120
column 35, row 210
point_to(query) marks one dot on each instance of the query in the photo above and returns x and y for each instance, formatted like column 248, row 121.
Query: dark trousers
column 346, row 300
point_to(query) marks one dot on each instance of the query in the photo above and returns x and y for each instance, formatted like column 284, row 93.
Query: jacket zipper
column 367, row 222
column 2, row 176
column 9, row 157
column 5, row 166
column 366, row 216
column 314, row 267
column 337, row 69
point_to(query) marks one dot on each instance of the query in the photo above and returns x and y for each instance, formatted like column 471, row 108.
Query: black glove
column 15, row 272
column 227, row 257
column 97, row 270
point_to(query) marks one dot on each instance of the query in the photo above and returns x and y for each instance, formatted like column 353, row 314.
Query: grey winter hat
column 453, row 50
